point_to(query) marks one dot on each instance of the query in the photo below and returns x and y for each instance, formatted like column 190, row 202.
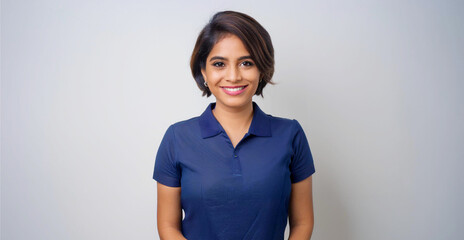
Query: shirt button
column 235, row 155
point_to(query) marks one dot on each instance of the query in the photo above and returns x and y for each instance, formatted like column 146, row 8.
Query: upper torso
column 235, row 192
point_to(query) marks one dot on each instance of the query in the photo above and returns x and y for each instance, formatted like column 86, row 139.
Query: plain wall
column 88, row 89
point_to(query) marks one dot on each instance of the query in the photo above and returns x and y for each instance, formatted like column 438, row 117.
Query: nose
column 233, row 74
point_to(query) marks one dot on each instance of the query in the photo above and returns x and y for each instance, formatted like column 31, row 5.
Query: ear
column 203, row 72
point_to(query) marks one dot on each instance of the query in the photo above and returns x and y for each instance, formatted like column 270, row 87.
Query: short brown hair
column 255, row 38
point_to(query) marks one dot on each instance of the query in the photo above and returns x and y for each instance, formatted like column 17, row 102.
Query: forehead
column 229, row 45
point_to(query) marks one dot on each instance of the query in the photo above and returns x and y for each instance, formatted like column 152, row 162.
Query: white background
column 88, row 89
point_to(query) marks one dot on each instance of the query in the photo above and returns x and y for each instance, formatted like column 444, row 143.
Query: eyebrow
column 223, row 58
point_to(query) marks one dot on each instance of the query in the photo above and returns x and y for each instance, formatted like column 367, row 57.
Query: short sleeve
column 166, row 170
column 302, row 165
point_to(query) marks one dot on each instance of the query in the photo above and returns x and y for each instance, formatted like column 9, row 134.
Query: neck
column 236, row 118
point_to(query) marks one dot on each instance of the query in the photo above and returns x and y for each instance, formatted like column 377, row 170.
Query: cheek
column 253, row 76
column 213, row 75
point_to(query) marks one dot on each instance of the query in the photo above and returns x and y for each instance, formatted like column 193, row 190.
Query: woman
column 242, row 172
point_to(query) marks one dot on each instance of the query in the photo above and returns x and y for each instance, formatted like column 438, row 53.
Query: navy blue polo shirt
column 234, row 193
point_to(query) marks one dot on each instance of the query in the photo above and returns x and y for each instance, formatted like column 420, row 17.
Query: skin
column 300, row 213
column 229, row 64
column 169, row 213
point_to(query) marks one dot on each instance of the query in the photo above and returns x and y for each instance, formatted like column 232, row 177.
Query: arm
column 169, row 215
column 301, row 216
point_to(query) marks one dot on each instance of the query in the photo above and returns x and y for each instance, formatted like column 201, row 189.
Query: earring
column 205, row 83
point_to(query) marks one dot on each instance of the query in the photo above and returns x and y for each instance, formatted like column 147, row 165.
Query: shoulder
column 187, row 126
column 282, row 123
column 187, row 123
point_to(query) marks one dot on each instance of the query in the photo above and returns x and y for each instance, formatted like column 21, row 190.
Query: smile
column 234, row 90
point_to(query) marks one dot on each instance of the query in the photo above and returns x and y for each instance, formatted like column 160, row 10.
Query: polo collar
column 260, row 124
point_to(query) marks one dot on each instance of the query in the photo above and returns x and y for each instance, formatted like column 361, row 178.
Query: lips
column 234, row 90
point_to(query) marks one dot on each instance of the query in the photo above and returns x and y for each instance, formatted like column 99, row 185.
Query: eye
column 247, row 63
column 218, row 64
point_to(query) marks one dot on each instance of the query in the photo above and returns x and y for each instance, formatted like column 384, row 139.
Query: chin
column 235, row 102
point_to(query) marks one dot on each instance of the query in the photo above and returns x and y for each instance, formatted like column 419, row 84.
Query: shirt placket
column 236, row 164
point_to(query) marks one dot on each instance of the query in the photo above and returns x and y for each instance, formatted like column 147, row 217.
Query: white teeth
column 234, row 89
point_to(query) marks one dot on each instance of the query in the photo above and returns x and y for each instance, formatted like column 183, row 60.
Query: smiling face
column 231, row 73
